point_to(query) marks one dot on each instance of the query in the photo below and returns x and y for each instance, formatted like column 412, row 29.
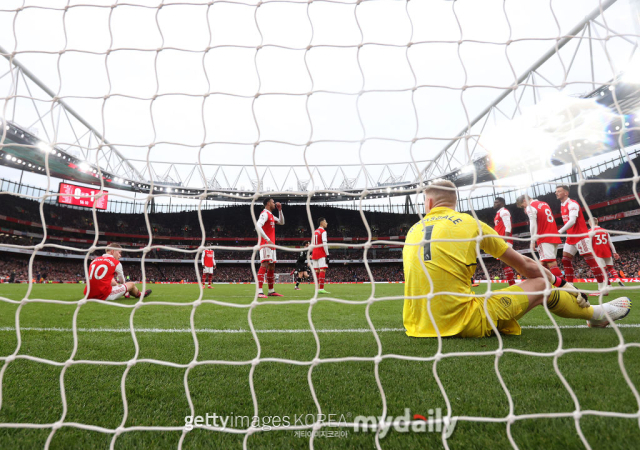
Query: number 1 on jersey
column 427, row 246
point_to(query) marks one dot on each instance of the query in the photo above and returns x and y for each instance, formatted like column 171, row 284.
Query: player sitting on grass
column 440, row 256
column 106, row 277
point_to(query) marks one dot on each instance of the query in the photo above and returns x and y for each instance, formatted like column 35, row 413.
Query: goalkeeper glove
column 581, row 298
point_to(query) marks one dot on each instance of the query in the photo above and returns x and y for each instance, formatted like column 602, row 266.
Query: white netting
column 284, row 278
column 371, row 105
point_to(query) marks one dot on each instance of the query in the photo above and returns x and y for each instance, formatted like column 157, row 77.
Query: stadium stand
column 20, row 225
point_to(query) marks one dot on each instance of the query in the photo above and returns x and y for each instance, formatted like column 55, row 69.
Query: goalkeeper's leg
column 563, row 303
column 560, row 302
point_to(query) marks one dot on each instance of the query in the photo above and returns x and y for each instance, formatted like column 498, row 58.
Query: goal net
column 166, row 127
column 284, row 278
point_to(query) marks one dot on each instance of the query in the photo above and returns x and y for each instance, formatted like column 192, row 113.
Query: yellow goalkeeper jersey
column 450, row 266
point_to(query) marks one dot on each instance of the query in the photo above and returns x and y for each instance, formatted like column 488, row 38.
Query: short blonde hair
column 593, row 221
column 520, row 200
column 443, row 191
column 114, row 246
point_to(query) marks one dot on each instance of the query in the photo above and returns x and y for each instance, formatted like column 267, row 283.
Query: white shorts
column 319, row 263
column 603, row 262
column 206, row 269
column 547, row 251
column 117, row 292
column 583, row 247
column 268, row 254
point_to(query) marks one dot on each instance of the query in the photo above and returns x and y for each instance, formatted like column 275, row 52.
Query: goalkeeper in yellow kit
column 439, row 259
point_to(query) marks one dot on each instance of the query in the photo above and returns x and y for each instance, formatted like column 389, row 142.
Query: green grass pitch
column 156, row 396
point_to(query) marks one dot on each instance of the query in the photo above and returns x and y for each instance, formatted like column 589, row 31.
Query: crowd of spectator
column 237, row 221
column 629, row 264
column 72, row 271
column 188, row 252
column 231, row 221
column 50, row 269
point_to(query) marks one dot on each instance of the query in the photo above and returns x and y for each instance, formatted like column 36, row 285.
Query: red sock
column 261, row 272
column 568, row 269
column 508, row 273
column 556, row 271
column 321, row 279
column 595, row 268
column 612, row 273
column 270, row 278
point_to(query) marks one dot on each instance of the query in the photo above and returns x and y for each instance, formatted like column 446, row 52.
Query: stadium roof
column 27, row 152
column 81, row 153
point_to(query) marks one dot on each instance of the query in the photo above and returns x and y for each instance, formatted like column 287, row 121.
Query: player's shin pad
column 564, row 304
column 595, row 269
column 556, row 271
column 270, row 278
column 568, row 269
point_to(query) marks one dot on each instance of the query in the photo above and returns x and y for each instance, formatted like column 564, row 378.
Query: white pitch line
column 240, row 330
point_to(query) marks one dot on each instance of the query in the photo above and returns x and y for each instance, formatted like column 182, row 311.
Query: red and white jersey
column 208, row 259
column 601, row 243
column 267, row 226
column 320, row 238
column 502, row 223
column 101, row 272
column 541, row 216
column 571, row 211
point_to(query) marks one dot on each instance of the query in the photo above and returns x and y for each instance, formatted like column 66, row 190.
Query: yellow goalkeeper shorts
column 505, row 307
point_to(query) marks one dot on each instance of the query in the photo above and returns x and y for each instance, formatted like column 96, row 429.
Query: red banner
column 615, row 201
column 81, row 196
column 621, row 215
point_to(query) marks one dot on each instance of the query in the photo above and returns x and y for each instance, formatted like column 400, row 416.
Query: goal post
column 284, row 277
column 240, row 103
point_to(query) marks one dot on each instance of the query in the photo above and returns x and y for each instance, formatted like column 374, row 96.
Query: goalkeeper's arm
column 530, row 269
column 526, row 266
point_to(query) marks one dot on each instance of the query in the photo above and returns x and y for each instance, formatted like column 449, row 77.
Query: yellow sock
column 563, row 304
